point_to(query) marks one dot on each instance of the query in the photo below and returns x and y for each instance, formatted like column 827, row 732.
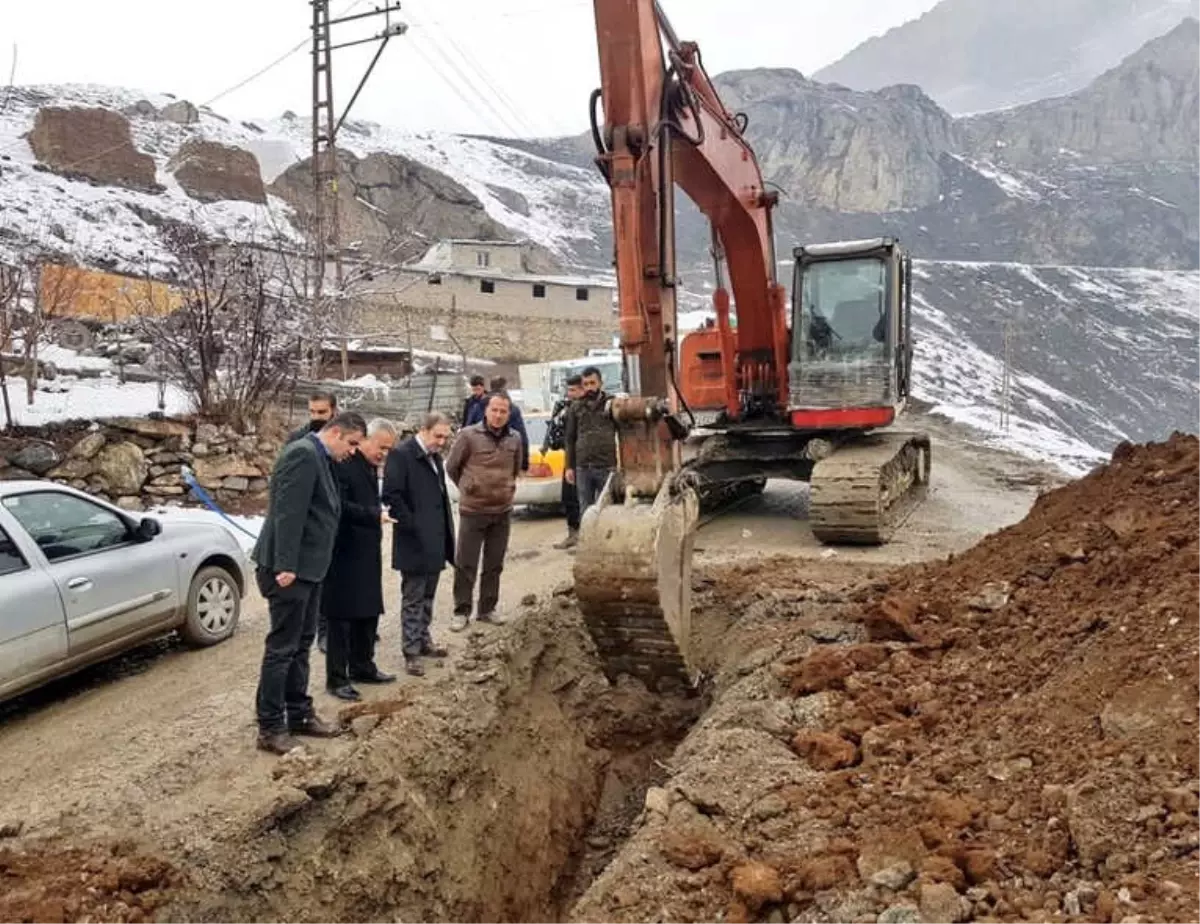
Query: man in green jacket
column 292, row 555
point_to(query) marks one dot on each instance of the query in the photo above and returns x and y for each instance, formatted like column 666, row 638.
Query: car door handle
column 79, row 583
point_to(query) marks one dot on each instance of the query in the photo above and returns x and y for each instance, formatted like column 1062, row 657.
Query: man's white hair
column 381, row 425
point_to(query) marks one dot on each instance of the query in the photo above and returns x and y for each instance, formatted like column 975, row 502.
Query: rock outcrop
column 839, row 149
column 210, row 172
column 92, row 144
column 392, row 205
column 1142, row 111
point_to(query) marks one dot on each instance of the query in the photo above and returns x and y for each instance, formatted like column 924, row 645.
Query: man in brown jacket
column 483, row 464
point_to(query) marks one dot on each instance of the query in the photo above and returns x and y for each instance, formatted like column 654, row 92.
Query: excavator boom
column 664, row 125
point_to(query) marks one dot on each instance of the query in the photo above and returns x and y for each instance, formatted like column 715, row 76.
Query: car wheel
column 214, row 604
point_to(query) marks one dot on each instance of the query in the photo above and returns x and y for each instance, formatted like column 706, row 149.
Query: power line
column 488, row 81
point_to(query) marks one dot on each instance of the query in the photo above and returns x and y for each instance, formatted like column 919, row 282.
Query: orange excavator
column 715, row 412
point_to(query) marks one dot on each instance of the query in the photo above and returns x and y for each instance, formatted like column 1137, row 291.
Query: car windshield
column 842, row 311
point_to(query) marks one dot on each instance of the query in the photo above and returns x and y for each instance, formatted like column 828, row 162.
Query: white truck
column 544, row 383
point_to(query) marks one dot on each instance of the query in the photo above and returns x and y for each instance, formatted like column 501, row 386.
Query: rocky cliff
column 212, row 172
column 973, row 55
column 391, row 205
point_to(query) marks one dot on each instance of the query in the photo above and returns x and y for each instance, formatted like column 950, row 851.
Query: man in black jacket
column 474, row 400
column 591, row 440
column 414, row 493
column 292, row 555
column 352, row 594
column 556, row 438
column 322, row 406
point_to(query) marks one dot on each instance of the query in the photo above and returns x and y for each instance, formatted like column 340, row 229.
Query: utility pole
column 326, row 236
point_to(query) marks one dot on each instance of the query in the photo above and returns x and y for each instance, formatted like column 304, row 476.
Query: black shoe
column 413, row 667
column 377, row 677
column 345, row 692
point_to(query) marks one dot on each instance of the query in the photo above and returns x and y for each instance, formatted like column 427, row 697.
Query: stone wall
column 500, row 337
column 138, row 462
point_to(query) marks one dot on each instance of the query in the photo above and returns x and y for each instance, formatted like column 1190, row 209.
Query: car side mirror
column 147, row 529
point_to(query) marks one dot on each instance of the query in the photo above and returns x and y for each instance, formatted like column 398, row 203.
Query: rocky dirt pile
column 75, row 884
column 1007, row 735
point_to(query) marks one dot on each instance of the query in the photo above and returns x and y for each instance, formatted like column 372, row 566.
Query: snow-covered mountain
column 975, row 55
column 66, row 211
column 1096, row 354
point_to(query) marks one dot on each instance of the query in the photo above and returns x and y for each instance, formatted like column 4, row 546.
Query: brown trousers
column 480, row 535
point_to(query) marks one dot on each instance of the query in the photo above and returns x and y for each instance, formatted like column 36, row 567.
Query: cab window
column 63, row 525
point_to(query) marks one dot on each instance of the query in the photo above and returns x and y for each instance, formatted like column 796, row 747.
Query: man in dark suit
column 414, row 492
column 352, row 594
column 292, row 555
column 322, row 406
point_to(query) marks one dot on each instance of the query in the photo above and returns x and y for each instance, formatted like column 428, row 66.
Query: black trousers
column 417, row 590
column 350, row 650
column 480, row 535
column 570, row 502
column 282, row 699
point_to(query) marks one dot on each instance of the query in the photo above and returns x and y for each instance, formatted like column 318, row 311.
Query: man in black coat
column 292, row 554
column 414, row 492
column 352, row 595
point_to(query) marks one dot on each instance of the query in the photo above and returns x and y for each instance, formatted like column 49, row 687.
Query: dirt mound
column 1007, row 735
column 41, row 884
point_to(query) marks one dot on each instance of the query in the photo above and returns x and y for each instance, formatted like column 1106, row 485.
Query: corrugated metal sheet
column 400, row 401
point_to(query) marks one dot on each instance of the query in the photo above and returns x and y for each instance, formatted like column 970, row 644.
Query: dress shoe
column 345, row 692
column 276, row 742
column 314, row 726
column 377, row 677
column 435, row 651
column 413, row 667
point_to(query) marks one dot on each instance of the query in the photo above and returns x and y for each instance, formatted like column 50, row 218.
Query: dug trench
column 1006, row 734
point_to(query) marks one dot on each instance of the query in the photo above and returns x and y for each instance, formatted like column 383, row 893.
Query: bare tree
column 12, row 290
column 56, row 288
column 230, row 342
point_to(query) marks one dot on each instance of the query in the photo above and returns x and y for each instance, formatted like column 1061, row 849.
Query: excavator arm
column 665, row 125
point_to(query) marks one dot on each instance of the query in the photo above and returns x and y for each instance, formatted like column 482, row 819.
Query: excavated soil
column 1006, row 735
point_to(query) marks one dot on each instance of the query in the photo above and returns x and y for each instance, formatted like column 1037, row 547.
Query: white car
column 82, row 580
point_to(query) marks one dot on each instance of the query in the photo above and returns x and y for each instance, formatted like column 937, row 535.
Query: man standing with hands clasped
column 292, row 555
column 414, row 493
column 484, row 463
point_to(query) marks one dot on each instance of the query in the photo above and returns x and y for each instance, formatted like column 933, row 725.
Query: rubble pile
column 1010, row 734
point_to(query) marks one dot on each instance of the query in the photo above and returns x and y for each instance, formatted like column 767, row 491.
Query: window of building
column 539, row 290
column 486, row 286
column 581, row 294
column 434, row 280
column 483, row 258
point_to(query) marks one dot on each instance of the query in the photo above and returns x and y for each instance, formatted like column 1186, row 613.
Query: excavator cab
column 851, row 345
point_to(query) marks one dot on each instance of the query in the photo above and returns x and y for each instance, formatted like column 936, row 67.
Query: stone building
column 483, row 299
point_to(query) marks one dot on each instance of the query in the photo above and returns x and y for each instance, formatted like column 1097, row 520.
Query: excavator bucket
column 633, row 580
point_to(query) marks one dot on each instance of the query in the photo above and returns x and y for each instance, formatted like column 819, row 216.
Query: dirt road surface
column 158, row 746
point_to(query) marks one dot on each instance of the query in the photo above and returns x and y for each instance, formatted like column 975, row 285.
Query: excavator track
column 868, row 487
column 633, row 577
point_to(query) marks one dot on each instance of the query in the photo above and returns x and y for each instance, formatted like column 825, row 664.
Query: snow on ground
column 69, row 398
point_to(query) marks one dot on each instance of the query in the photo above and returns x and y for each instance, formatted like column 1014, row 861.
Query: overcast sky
column 496, row 66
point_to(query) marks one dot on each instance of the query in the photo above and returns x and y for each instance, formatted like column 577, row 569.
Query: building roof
column 551, row 279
